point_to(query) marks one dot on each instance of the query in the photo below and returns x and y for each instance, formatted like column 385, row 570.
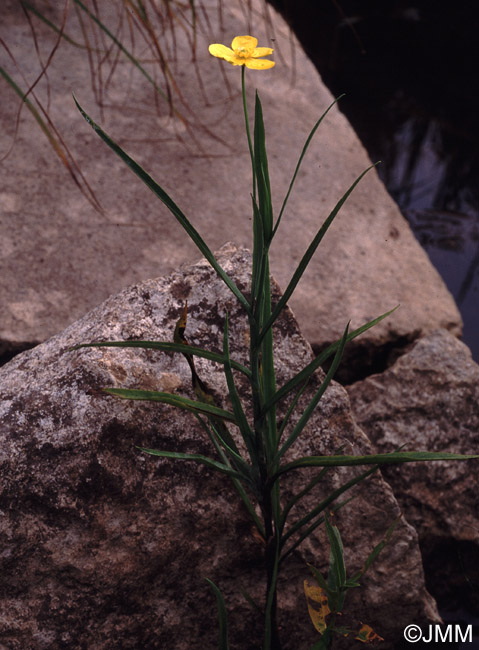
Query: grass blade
column 61, row 33
column 129, row 56
column 193, row 234
column 57, row 143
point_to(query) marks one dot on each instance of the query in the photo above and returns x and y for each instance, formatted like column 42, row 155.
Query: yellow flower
column 243, row 52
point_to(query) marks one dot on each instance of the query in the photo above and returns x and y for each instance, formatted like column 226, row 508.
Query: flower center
column 242, row 52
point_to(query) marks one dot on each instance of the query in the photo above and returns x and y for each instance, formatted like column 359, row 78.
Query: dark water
column 410, row 71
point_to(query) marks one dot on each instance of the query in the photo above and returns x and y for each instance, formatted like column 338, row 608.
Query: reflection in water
column 409, row 71
column 436, row 185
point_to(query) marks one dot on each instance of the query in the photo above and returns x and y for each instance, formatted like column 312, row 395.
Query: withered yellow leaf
column 367, row 635
column 318, row 607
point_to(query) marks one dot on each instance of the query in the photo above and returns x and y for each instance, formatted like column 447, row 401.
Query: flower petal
column 261, row 51
column 222, row 52
column 258, row 64
column 244, row 42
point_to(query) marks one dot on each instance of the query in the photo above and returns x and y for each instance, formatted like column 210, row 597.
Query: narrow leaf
column 128, row 55
column 167, row 347
column 337, row 568
column 317, row 396
column 262, row 174
column 175, row 400
column 308, row 255
column 197, row 458
column 372, row 459
column 222, row 617
column 241, row 420
column 170, row 204
column 305, row 148
column 304, row 374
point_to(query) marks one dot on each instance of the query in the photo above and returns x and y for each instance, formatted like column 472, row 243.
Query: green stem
column 246, row 118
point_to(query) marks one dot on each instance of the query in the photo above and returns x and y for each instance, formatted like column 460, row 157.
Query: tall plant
column 256, row 471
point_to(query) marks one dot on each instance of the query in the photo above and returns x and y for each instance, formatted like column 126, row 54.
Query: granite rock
column 60, row 257
column 429, row 399
column 105, row 547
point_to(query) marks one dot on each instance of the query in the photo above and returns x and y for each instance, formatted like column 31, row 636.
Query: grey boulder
column 105, row 547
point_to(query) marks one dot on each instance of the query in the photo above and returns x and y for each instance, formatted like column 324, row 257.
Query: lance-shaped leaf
column 195, row 458
column 174, row 400
column 337, row 567
column 308, row 255
column 303, row 153
column 244, row 427
column 222, row 617
column 308, row 370
column 313, row 527
column 193, row 234
column 262, row 174
column 317, row 396
column 372, row 459
column 167, row 347
column 376, row 551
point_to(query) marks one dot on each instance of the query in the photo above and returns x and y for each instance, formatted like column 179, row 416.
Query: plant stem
column 250, row 144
